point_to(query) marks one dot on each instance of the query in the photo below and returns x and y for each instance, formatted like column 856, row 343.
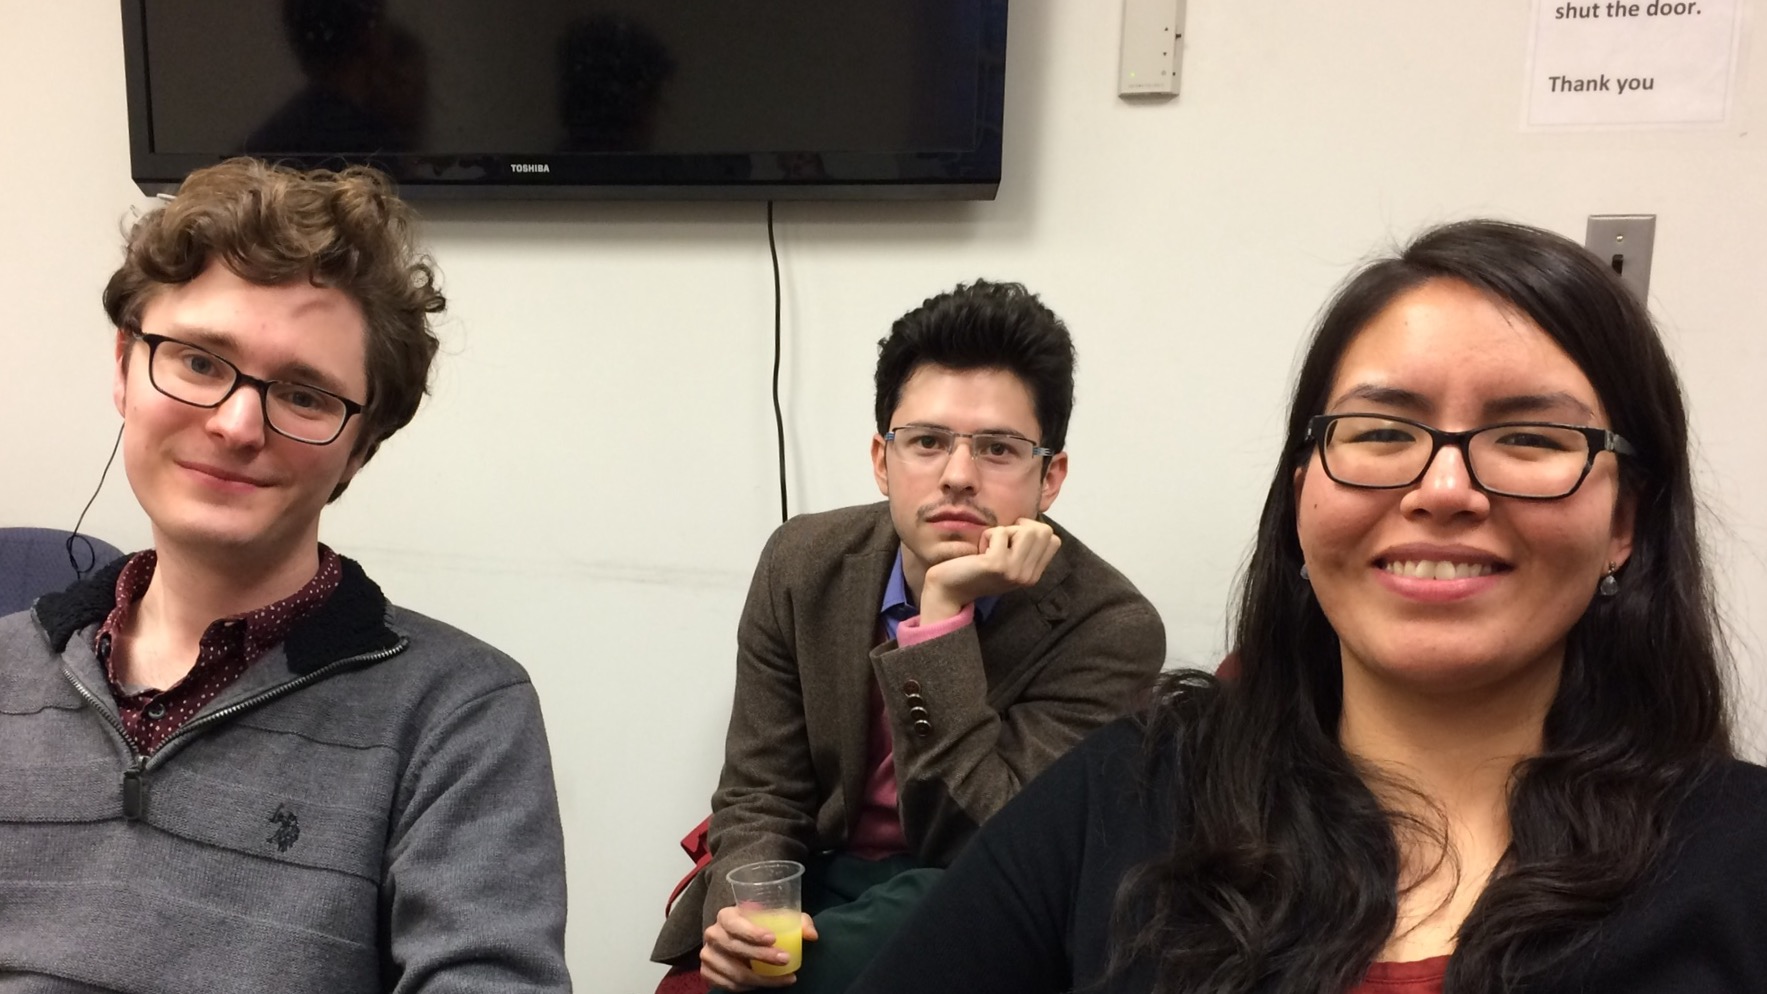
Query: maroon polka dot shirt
column 228, row 646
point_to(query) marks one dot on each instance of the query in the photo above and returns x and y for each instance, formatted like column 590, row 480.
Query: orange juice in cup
column 769, row 894
column 787, row 926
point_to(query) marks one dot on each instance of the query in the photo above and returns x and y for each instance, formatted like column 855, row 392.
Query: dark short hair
column 272, row 225
column 984, row 325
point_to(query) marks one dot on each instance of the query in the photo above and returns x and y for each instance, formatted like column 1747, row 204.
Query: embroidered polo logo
column 288, row 828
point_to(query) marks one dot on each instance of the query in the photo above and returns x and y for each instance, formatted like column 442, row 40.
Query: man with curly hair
column 226, row 762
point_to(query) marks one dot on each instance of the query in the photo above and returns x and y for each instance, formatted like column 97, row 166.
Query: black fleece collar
column 351, row 622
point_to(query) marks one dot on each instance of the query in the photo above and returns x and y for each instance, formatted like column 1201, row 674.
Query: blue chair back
column 34, row 562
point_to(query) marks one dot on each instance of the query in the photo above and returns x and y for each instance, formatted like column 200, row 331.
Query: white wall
column 593, row 478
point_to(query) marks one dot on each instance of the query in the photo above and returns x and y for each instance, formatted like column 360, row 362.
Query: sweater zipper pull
column 134, row 791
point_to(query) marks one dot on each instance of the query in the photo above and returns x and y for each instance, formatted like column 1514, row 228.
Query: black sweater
column 1027, row 907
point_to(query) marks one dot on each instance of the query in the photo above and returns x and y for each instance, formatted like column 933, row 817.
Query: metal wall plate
column 1624, row 241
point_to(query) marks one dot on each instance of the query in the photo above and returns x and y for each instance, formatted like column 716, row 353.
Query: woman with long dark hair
column 1477, row 738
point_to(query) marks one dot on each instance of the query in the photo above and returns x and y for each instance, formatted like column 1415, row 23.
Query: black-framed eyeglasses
column 927, row 446
column 191, row 374
column 1531, row 460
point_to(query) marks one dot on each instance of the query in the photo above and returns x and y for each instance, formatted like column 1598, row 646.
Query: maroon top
column 1422, row 976
column 228, row 646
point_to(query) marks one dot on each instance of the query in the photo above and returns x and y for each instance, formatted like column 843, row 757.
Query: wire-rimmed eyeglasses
column 928, row 446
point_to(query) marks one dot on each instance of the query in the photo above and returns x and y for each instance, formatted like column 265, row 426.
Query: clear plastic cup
column 770, row 894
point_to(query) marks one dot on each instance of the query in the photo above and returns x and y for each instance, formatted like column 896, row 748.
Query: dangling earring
column 1609, row 584
column 1304, row 574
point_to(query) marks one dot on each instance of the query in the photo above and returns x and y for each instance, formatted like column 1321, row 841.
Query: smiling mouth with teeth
column 1428, row 569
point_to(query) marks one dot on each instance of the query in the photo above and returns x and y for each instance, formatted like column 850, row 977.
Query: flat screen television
column 537, row 99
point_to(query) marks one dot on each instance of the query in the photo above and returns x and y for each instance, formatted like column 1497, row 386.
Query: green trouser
column 857, row 905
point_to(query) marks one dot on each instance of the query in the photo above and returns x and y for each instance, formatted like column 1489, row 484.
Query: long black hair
column 1284, row 872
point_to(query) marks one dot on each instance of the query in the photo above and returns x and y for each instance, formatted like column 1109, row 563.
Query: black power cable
column 778, row 416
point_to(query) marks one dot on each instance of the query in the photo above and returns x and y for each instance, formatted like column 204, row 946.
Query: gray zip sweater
column 370, row 807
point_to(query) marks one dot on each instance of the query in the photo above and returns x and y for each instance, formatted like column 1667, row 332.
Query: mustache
column 928, row 510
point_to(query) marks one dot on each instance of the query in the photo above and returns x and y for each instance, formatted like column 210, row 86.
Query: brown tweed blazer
column 1002, row 699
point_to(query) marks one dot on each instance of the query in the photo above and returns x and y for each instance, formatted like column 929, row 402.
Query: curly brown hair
column 271, row 225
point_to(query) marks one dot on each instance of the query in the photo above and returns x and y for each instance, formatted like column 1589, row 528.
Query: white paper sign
column 1626, row 62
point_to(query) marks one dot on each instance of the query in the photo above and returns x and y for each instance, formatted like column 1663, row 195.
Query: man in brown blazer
column 903, row 668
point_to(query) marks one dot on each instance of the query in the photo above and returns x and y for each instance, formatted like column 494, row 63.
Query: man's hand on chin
column 1009, row 557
